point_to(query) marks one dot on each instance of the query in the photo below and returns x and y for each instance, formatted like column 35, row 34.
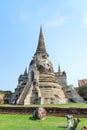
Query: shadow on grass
column 62, row 127
column 31, row 118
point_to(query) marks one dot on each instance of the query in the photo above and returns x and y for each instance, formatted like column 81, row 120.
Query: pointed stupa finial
column 41, row 49
column 41, row 33
column 25, row 72
column 59, row 70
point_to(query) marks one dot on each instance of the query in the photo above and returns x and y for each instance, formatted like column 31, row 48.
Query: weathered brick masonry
column 53, row 111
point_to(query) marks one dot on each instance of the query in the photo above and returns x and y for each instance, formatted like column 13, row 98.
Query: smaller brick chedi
column 40, row 84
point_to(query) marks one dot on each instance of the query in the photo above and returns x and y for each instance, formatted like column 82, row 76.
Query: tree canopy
column 83, row 91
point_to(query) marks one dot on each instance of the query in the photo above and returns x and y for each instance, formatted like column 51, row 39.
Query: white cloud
column 19, row 16
column 84, row 21
column 56, row 20
column 84, row 52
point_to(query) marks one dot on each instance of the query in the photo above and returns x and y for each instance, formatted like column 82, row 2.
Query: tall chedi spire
column 41, row 49
column 59, row 69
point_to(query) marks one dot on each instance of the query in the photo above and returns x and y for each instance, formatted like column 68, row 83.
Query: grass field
column 79, row 105
column 26, row 122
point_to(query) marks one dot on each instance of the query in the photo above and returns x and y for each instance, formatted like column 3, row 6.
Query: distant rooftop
column 82, row 82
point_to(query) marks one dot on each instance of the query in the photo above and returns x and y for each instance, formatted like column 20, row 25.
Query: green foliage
column 70, row 86
column 83, row 91
column 1, row 91
column 26, row 122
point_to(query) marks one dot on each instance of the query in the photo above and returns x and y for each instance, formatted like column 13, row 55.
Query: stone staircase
column 21, row 98
column 34, row 98
column 72, row 95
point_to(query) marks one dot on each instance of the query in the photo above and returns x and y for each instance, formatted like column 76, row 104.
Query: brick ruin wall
column 52, row 111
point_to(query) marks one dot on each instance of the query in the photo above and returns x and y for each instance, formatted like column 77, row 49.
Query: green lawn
column 25, row 122
column 81, row 105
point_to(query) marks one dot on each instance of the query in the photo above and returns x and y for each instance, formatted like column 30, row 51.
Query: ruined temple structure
column 1, row 98
column 40, row 84
column 5, row 97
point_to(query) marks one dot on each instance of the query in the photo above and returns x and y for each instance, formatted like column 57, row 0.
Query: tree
column 83, row 91
column 70, row 86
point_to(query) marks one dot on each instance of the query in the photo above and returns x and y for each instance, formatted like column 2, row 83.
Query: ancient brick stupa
column 39, row 85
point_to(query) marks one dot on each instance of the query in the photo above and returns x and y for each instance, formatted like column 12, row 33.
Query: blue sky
column 64, row 24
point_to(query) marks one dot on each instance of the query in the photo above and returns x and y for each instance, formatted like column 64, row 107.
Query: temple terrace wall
column 53, row 111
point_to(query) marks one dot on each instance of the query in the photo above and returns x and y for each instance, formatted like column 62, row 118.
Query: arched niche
column 32, row 76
